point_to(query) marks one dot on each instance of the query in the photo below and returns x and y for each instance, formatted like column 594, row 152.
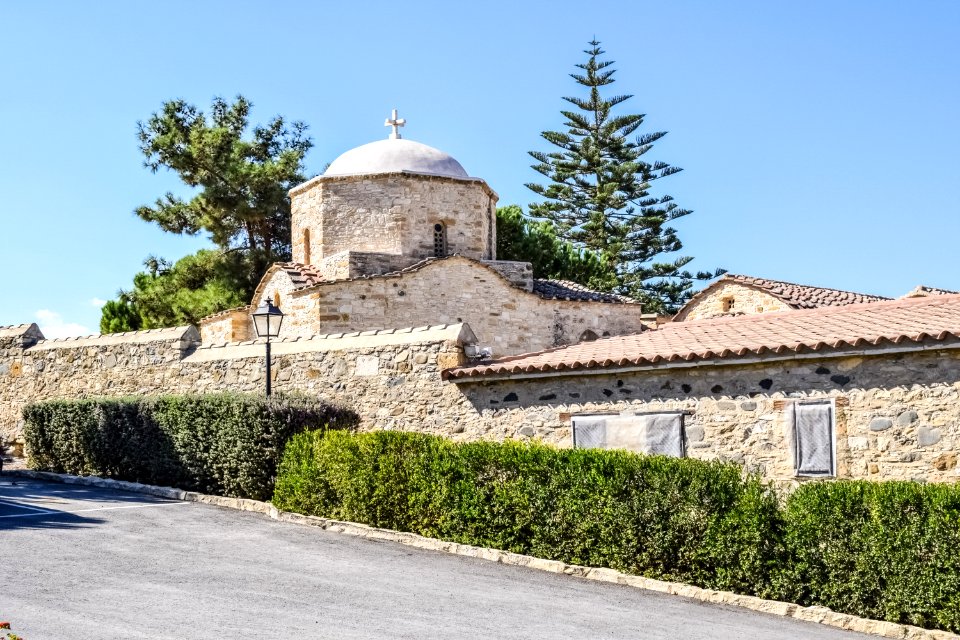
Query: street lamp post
column 266, row 321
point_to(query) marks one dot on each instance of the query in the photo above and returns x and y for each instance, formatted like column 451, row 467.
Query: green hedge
column 667, row 518
column 882, row 550
column 226, row 444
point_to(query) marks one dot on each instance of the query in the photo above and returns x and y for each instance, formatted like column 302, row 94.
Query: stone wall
column 355, row 264
column 730, row 298
column 454, row 290
column 898, row 415
column 390, row 379
column 232, row 325
column 392, row 213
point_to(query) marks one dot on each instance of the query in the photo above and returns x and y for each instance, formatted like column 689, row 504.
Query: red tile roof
column 924, row 290
column 908, row 321
column 798, row 296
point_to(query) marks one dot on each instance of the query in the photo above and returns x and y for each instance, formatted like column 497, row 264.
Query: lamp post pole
column 267, row 320
column 268, row 366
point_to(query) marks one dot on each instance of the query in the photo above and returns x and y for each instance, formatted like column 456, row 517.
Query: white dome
column 392, row 155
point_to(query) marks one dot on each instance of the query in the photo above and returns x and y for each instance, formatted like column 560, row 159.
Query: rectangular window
column 814, row 437
column 652, row 433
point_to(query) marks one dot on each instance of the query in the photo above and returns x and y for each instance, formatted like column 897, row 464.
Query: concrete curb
column 820, row 615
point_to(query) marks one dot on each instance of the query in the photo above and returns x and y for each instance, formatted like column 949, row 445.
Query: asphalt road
column 80, row 562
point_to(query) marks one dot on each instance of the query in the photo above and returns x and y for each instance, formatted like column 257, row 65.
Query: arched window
column 306, row 246
column 439, row 240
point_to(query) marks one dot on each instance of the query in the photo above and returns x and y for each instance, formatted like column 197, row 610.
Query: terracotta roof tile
column 923, row 290
column 567, row 290
column 798, row 296
column 906, row 321
column 302, row 275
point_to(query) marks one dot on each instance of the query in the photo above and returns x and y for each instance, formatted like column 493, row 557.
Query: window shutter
column 664, row 434
column 590, row 432
column 655, row 433
column 813, row 434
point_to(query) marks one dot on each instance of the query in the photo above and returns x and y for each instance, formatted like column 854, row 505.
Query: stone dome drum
column 394, row 155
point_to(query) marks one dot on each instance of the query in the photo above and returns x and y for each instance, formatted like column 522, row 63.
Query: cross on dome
column 396, row 123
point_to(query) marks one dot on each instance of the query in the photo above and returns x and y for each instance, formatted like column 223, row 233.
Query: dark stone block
column 573, row 394
column 549, row 396
column 625, row 390
column 766, row 383
column 822, row 371
column 510, row 397
column 686, row 388
column 880, row 424
column 840, row 380
column 907, row 417
column 716, row 388
column 748, row 406
column 607, row 392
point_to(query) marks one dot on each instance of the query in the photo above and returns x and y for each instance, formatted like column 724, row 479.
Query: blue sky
column 819, row 140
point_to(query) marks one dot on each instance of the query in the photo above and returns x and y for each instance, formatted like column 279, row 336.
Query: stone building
column 395, row 288
column 736, row 295
column 397, row 234
column 867, row 390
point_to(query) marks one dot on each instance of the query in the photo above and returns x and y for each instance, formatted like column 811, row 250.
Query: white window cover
column 652, row 433
column 813, row 432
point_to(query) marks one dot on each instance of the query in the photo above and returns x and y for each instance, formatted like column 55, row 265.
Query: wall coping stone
column 459, row 333
column 187, row 334
column 817, row 614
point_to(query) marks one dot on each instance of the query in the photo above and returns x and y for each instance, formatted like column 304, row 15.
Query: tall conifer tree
column 599, row 193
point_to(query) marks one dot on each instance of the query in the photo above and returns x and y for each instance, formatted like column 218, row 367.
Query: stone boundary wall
column 391, row 379
column 817, row 614
column 897, row 417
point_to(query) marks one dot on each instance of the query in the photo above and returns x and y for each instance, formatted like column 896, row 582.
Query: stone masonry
column 392, row 213
column 391, row 379
column 504, row 317
column 898, row 415
column 730, row 298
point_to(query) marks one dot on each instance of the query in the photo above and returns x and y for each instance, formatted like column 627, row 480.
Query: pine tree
column 599, row 196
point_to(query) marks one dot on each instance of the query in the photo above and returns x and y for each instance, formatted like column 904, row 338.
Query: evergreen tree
column 241, row 178
column 599, row 195
column 168, row 295
column 535, row 241
column 242, row 200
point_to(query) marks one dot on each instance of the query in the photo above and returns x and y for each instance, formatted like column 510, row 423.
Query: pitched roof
column 909, row 321
column 798, row 296
column 923, row 290
column 17, row 330
column 307, row 277
column 567, row 290
column 302, row 276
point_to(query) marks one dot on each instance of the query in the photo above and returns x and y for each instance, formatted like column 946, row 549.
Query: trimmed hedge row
column 889, row 551
column 225, row 444
column 675, row 519
column 882, row 550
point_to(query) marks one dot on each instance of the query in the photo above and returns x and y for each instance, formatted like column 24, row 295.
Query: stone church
column 397, row 234
column 395, row 293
